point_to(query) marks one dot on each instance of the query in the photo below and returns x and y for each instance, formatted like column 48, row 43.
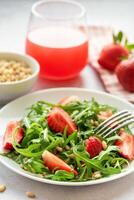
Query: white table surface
column 13, row 22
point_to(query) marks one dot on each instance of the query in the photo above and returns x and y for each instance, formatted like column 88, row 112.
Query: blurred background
column 14, row 16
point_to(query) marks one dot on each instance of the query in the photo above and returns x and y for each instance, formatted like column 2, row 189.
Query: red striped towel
column 100, row 36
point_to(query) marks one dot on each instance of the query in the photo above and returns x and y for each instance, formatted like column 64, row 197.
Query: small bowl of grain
column 18, row 74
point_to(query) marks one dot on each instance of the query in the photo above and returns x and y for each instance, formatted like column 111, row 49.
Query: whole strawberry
column 93, row 146
column 112, row 54
column 125, row 74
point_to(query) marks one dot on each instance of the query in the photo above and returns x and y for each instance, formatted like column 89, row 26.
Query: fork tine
column 117, row 118
column 129, row 117
column 114, row 115
column 111, row 120
column 120, row 126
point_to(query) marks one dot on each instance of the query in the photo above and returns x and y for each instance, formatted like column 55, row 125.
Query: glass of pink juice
column 57, row 38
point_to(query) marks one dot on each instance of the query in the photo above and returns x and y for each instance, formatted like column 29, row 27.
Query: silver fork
column 114, row 123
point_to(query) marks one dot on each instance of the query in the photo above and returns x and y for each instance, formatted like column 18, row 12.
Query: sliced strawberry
column 93, row 146
column 126, row 145
column 103, row 115
column 54, row 163
column 70, row 99
column 58, row 119
column 7, row 139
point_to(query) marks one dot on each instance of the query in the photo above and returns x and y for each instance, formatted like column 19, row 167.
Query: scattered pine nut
column 40, row 175
column 96, row 123
column 67, row 147
column 21, row 165
column 96, row 175
column 92, row 121
column 71, row 156
column 30, row 195
column 104, row 144
column 60, row 149
column 2, row 188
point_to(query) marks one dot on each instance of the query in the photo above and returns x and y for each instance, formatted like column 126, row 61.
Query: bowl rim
column 22, row 56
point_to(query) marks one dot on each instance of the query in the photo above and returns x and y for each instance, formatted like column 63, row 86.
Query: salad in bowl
column 57, row 141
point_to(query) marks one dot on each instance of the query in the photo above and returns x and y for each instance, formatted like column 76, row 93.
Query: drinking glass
column 57, row 38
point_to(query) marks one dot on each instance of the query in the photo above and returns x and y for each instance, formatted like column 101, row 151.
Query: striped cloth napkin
column 100, row 36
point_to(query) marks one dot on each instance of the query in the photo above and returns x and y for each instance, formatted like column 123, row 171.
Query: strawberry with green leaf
column 112, row 54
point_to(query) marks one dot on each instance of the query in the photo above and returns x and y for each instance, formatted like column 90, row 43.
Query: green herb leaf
column 120, row 36
column 62, row 175
column 130, row 47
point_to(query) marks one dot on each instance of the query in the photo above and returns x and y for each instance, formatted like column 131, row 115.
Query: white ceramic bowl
column 12, row 90
column 15, row 110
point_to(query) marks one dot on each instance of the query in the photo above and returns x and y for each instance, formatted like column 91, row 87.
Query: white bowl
column 15, row 110
column 12, row 90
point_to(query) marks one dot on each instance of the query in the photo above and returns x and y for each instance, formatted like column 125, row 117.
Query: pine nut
column 11, row 70
column 104, row 145
column 96, row 175
column 2, row 188
column 60, row 149
column 30, row 194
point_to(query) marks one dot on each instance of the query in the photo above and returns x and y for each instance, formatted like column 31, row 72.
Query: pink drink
column 61, row 52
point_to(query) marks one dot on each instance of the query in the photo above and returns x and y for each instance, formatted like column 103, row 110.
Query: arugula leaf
column 70, row 138
column 107, row 151
column 61, row 175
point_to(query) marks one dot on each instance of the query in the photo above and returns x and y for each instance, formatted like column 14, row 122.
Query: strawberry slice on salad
column 55, row 163
column 70, row 99
column 93, row 146
column 7, row 139
column 126, row 145
column 58, row 120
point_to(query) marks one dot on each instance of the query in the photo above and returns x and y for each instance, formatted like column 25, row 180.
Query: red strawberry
column 103, row 115
column 58, row 119
column 125, row 74
column 93, row 146
column 55, row 163
column 111, row 56
column 126, row 145
column 7, row 140
column 67, row 100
